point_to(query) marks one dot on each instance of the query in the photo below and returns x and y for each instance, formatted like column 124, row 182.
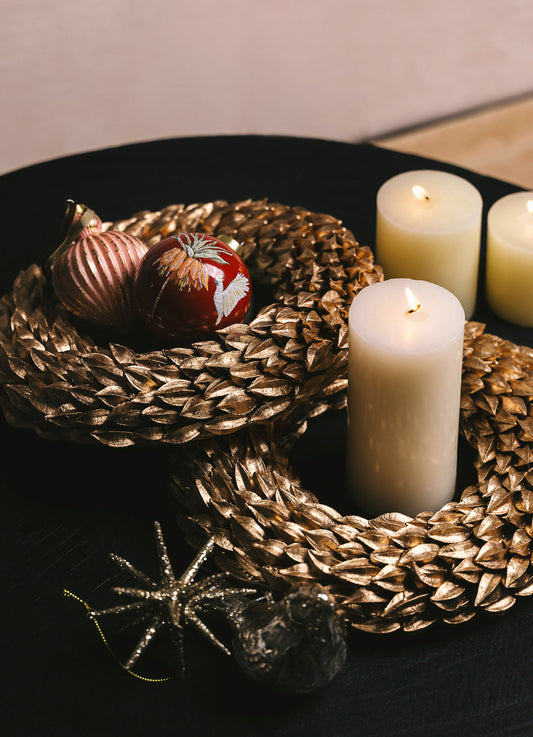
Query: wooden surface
column 495, row 141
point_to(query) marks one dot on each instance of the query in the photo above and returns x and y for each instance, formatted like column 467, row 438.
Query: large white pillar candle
column 510, row 258
column 428, row 227
column 404, row 392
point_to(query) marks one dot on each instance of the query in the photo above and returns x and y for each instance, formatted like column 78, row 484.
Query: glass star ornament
column 297, row 643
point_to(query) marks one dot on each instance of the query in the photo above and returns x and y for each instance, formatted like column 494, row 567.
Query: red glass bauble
column 189, row 285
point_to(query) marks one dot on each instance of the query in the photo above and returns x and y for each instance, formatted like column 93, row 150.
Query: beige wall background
column 77, row 76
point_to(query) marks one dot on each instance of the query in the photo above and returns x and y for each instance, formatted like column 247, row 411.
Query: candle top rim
column 459, row 206
column 379, row 316
column 522, row 195
column 510, row 220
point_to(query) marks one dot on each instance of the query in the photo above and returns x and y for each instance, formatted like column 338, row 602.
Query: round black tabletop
column 65, row 507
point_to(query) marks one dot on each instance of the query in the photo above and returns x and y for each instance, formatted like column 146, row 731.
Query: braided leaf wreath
column 290, row 361
column 293, row 353
column 394, row 571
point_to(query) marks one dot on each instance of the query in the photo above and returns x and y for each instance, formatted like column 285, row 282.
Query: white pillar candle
column 404, row 392
column 428, row 227
column 510, row 258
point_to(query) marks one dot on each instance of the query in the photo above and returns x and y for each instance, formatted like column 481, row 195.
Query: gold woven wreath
column 293, row 353
column 394, row 571
column 287, row 365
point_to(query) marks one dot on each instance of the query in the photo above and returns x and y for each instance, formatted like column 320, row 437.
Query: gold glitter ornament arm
column 203, row 585
column 165, row 568
column 135, row 606
column 197, row 563
column 193, row 619
column 176, row 636
column 149, row 634
column 216, row 594
column 128, row 568
column 144, row 594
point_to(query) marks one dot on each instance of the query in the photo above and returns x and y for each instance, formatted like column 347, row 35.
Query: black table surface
column 66, row 506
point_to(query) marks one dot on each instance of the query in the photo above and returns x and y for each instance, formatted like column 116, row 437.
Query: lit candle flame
column 529, row 206
column 412, row 301
column 419, row 192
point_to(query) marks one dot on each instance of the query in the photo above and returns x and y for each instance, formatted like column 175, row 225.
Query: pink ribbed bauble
column 92, row 278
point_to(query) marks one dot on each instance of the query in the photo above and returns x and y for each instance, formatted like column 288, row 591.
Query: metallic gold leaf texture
column 245, row 396
column 393, row 572
column 294, row 352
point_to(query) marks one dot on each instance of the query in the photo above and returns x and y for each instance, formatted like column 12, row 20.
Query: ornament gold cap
column 77, row 217
column 232, row 242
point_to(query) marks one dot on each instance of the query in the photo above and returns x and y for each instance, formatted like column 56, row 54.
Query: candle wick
column 420, row 193
column 412, row 302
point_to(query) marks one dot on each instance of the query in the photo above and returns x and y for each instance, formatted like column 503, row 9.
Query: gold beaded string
column 163, row 679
